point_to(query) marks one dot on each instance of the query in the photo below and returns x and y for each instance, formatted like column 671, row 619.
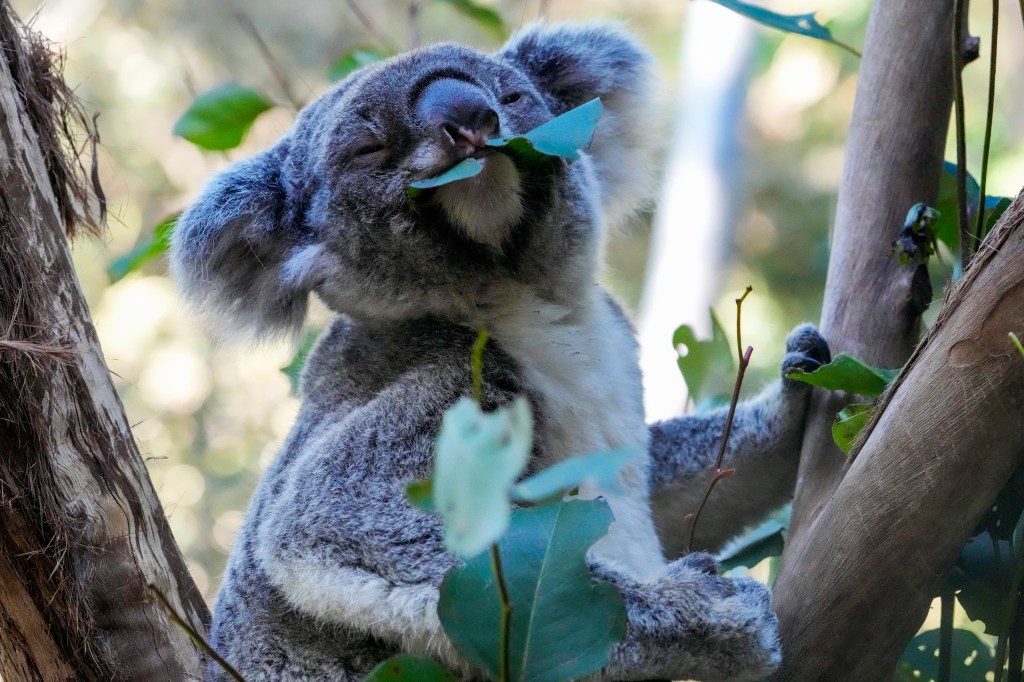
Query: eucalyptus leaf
column 477, row 457
column 409, row 668
column 563, row 624
column 981, row 574
column 947, row 226
column 218, row 119
column 600, row 469
column 848, row 424
column 847, row 373
column 145, row 252
column 481, row 14
column 293, row 370
column 801, row 24
column 353, row 61
column 466, row 168
column 421, row 495
column 971, row 657
column 700, row 361
column 563, row 136
column 994, row 209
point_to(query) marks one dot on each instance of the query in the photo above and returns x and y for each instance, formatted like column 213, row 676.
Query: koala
column 333, row 570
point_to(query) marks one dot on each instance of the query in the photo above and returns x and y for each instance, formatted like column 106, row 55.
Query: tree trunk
column 82, row 533
column 944, row 441
column 894, row 152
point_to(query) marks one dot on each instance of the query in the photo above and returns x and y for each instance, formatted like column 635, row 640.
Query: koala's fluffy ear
column 237, row 255
column 572, row 64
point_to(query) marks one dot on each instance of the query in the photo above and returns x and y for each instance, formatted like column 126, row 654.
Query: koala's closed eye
column 367, row 149
column 510, row 98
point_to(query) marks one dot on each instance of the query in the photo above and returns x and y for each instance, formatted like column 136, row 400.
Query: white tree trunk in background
column 692, row 229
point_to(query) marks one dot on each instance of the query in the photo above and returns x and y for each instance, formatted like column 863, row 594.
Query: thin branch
column 369, row 26
column 414, row 24
column 946, row 636
column 959, row 28
column 718, row 473
column 195, row 636
column 506, row 614
column 477, row 365
column 275, row 66
column 990, row 106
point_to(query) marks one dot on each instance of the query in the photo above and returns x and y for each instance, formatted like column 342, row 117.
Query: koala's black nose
column 459, row 112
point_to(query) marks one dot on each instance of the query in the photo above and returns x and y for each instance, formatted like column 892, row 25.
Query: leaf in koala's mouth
column 466, row 168
column 563, row 136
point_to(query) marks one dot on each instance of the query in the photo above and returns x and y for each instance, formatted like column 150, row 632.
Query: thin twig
column 506, row 613
column 959, row 28
column 414, row 24
column 369, row 26
column 477, row 365
column 852, row 50
column 275, row 66
column 195, row 636
column 945, row 636
column 718, row 473
column 979, row 233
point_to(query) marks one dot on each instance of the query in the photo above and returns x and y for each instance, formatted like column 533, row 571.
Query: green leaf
column 947, row 227
column 353, row 61
column 767, row 540
column 981, row 574
column 482, row 15
column 994, row 209
column 293, row 370
column 466, row 168
column 601, row 469
column 409, row 668
column 218, row 119
column 477, row 457
column 563, row 136
column 971, row 657
column 699, row 361
column 421, row 495
column 563, row 624
column 1017, row 344
column 145, row 252
column 848, row 424
column 847, row 373
column 801, row 24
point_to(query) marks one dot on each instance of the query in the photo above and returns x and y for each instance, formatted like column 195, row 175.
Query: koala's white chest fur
column 583, row 364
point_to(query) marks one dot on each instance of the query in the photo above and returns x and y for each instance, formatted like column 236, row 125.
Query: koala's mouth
column 487, row 206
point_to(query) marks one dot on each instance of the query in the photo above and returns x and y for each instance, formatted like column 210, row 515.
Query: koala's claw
column 806, row 349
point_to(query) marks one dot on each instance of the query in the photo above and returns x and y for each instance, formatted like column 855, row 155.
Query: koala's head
column 326, row 209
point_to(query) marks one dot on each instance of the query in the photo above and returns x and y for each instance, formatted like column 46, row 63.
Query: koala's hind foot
column 694, row 624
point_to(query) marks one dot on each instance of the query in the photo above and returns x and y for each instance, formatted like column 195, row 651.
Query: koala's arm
column 764, row 449
column 343, row 546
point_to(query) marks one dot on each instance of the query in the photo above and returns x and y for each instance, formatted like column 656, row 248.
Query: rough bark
column 82, row 533
column 944, row 441
column 872, row 305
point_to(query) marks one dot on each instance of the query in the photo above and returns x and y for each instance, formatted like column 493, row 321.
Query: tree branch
column 872, row 305
column 944, row 441
column 82, row 532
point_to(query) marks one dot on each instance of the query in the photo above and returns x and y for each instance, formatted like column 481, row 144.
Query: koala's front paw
column 806, row 349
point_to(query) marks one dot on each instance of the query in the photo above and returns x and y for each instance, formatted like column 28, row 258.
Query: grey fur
column 333, row 571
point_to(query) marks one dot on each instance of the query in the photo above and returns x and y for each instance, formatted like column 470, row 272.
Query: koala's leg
column 764, row 449
column 693, row 624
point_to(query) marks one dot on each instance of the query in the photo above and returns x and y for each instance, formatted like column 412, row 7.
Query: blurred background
column 754, row 124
